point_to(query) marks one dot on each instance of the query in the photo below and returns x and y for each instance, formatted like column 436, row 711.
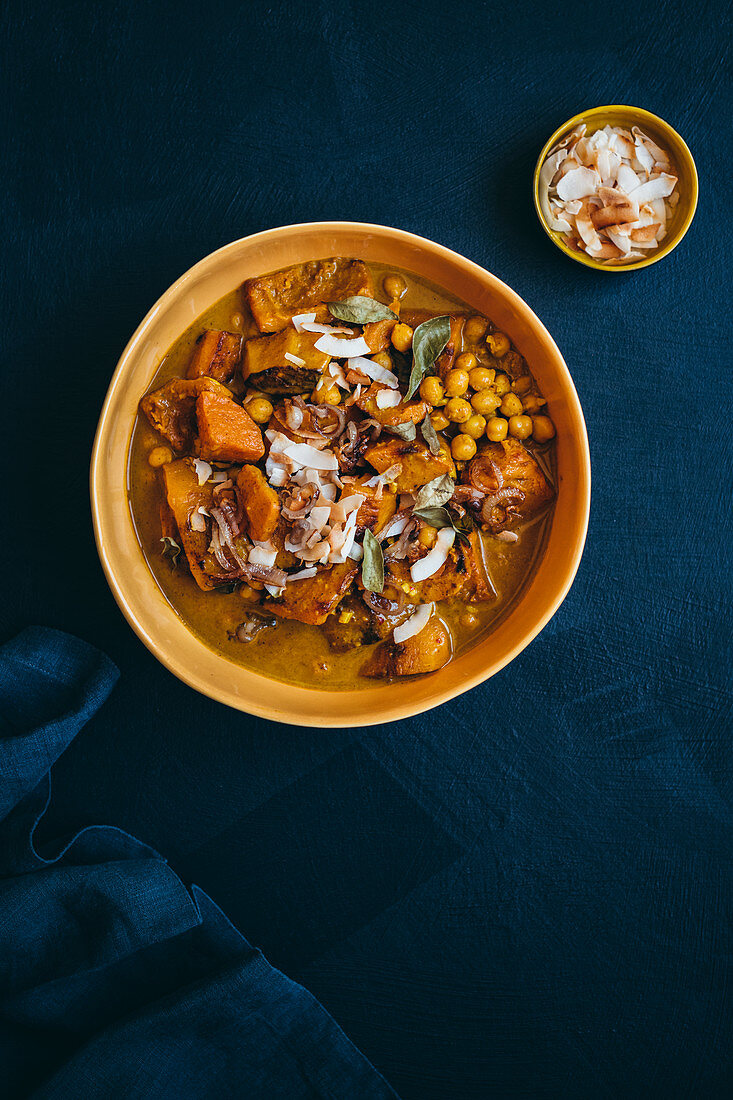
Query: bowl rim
column 669, row 246
column 396, row 710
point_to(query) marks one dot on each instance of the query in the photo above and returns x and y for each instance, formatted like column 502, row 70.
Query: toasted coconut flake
column 606, row 190
column 294, row 359
column 373, row 370
column 388, row 399
column 342, row 349
column 301, row 319
column 304, row 455
column 197, row 519
column 303, row 574
column 328, row 330
column 262, row 553
column 435, row 558
column 203, row 470
column 578, row 184
column 416, row 622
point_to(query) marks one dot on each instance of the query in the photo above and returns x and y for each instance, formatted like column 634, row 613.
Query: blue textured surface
column 524, row 892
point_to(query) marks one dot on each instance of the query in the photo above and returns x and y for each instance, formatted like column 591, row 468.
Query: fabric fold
column 116, row 980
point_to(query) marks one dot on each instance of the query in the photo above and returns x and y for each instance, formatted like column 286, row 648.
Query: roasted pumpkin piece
column 227, row 433
column 349, row 626
column 521, row 488
column 413, row 411
column 266, row 367
column 216, row 355
column 260, row 502
column 184, row 496
column 376, row 512
column 424, row 652
column 463, row 576
column 172, row 409
column 312, row 600
column 377, row 335
column 419, row 464
column 275, row 299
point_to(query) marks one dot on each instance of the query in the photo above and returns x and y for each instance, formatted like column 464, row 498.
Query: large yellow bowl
column 132, row 583
column 619, row 114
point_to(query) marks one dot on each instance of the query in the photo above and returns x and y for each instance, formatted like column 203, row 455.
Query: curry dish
column 341, row 473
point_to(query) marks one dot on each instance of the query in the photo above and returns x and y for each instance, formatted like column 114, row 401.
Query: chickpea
column 457, row 410
column 498, row 344
column 463, row 447
column 497, row 429
column 439, row 421
column 456, row 383
column 260, row 409
column 160, row 456
column 543, row 430
column 394, row 287
column 466, row 361
column 384, row 359
column 532, row 403
column 237, row 321
column 485, row 402
column 474, row 329
column 331, row 396
column 431, row 390
column 427, row 536
column 511, row 405
column 502, row 384
column 520, row 426
column 523, row 384
column 402, row 336
column 481, row 377
column 475, row 426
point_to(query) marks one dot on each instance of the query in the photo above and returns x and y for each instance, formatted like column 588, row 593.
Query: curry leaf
column 430, row 435
column 359, row 310
column 372, row 566
column 440, row 517
column 170, row 550
column 436, row 492
column 405, row 431
column 428, row 341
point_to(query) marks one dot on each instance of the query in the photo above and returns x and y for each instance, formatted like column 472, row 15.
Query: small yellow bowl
column 134, row 586
column 618, row 114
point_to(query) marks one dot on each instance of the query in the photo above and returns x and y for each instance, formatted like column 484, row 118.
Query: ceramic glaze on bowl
column 134, row 586
column 667, row 138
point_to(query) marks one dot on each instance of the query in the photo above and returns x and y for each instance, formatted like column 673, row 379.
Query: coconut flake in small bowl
column 615, row 188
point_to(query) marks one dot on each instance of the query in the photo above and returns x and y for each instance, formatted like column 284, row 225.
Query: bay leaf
column 372, row 565
column 430, row 436
column 405, row 431
column 428, row 341
column 440, row 517
column 359, row 310
column 436, row 492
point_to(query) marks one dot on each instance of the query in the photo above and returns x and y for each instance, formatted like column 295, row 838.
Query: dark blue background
column 522, row 893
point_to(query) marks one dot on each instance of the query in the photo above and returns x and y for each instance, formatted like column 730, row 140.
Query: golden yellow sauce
column 292, row 651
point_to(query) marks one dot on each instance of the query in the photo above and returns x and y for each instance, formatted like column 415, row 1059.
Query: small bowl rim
column 669, row 246
column 261, row 707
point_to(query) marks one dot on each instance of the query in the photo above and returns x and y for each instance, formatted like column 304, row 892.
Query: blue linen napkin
column 115, row 979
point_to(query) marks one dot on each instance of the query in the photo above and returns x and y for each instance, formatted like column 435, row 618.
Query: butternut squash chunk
column 462, row 577
column 312, row 600
column 377, row 334
column 419, row 465
column 184, row 495
column 216, row 355
column 227, row 433
column 266, row 367
column 260, row 501
column 274, row 299
column 519, row 470
column 172, row 409
column 413, row 411
column 425, row 652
